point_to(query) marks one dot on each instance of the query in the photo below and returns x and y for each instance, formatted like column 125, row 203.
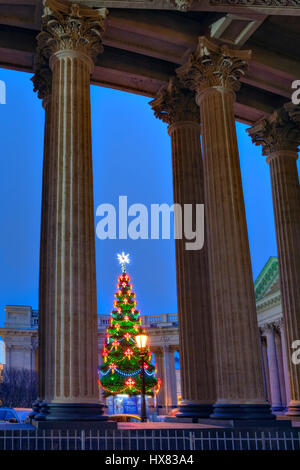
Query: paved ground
column 13, row 427
column 133, row 426
column 155, row 426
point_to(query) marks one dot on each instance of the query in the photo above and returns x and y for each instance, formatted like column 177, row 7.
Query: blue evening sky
column 132, row 156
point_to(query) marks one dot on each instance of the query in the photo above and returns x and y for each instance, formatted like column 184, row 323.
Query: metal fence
column 166, row 439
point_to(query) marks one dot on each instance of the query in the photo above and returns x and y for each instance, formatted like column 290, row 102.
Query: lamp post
column 141, row 340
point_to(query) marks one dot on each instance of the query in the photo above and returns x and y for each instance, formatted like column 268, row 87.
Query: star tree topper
column 123, row 260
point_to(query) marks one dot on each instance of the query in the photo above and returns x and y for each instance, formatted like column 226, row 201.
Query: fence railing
column 165, row 439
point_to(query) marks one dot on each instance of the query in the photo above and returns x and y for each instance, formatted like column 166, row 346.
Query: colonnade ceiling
column 145, row 41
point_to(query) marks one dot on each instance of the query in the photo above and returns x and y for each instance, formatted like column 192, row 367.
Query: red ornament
column 128, row 353
column 127, row 336
column 125, row 300
column 126, row 318
column 115, row 344
column 130, row 383
column 112, row 367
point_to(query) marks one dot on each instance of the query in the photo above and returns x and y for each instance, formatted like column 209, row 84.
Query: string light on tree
column 121, row 371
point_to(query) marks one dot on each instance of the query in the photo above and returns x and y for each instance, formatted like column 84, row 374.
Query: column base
column 36, row 406
column 277, row 408
column 293, row 410
column 242, row 411
column 194, row 410
column 70, row 412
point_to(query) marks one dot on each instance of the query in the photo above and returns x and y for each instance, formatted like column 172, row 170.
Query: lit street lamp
column 141, row 340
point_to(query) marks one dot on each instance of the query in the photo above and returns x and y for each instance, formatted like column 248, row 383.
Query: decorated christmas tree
column 121, row 371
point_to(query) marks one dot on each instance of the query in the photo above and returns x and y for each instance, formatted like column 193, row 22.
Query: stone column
column 266, row 375
column 278, row 346
column 159, row 365
column 70, row 38
column 34, row 345
column 7, row 356
column 176, row 106
column 285, row 364
column 213, row 71
column 170, row 392
column 279, row 136
column 269, row 331
column 42, row 81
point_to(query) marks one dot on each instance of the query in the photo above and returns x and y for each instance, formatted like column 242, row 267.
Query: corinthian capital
column 68, row 26
column 267, row 328
column 212, row 65
column 175, row 103
column 280, row 131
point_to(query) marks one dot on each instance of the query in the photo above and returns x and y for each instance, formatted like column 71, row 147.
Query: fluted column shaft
column 278, row 346
column 266, row 374
column 239, row 379
column 42, row 81
column 70, row 39
column 170, row 392
column 273, row 369
column 285, row 365
column 279, row 136
column 176, row 106
column 159, row 364
column 286, row 202
column 44, row 258
column 192, row 272
column 71, row 363
column 213, row 71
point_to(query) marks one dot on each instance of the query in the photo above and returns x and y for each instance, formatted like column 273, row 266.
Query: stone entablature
column 19, row 316
column 145, row 40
